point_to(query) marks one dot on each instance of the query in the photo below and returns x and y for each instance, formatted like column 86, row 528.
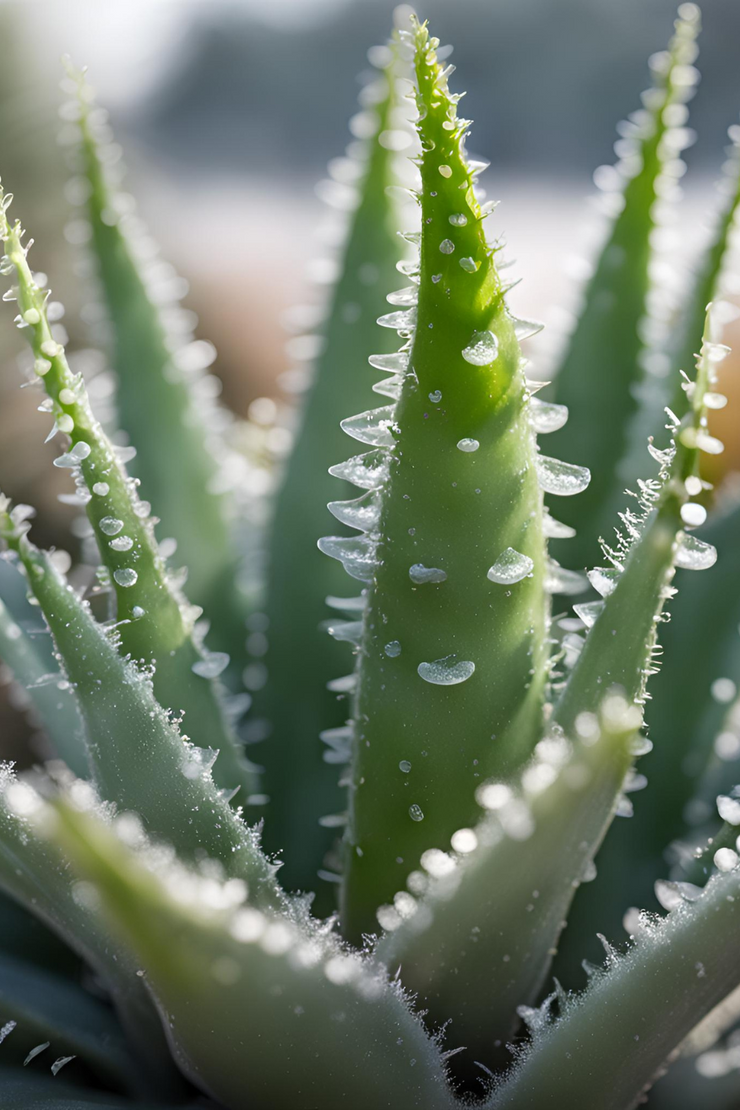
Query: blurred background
column 228, row 111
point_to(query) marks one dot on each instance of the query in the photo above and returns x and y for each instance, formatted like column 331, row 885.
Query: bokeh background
column 228, row 111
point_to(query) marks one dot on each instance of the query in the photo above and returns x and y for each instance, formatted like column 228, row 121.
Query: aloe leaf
column 499, row 899
column 53, row 702
column 22, row 1091
column 138, row 757
column 164, row 396
column 599, row 370
column 674, row 346
column 699, row 645
column 453, row 657
column 708, row 279
column 196, row 939
column 621, row 645
column 41, row 1006
column 155, row 622
column 301, row 659
column 638, row 1010
column 31, row 873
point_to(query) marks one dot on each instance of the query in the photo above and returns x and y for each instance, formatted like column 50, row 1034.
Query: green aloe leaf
column 621, row 644
column 37, row 1006
column 302, row 659
column 24, row 1091
column 674, row 346
column 600, row 368
column 163, row 396
column 154, row 620
column 31, row 873
column 29, row 659
column 499, row 899
column 457, row 528
column 638, row 1010
column 138, row 757
column 708, row 279
column 245, row 1041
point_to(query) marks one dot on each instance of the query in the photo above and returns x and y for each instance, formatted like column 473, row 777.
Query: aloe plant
column 454, row 783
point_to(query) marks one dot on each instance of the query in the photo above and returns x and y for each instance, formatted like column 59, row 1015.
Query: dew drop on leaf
column 468, row 445
column 482, row 349
column 212, row 665
column 420, row 575
column 416, row 813
column 126, row 576
column 561, row 478
column 446, row 671
column 393, row 649
column 511, row 566
column 546, row 417
column 695, row 554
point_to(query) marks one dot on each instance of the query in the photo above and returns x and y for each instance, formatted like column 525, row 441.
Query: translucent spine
column 452, row 664
column 301, row 660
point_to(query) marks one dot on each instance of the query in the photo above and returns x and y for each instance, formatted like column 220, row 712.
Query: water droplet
column 198, row 762
column 409, row 295
column 126, row 576
column 404, row 766
column 729, row 809
column 545, row 417
column 110, row 525
column 511, row 566
column 446, row 171
column 561, row 478
column 468, row 445
column 469, row 265
column 373, row 426
column 482, row 349
column 416, row 813
column 447, row 246
column 101, row 488
column 121, row 543
column 357, row 554
column 464, row 841
column 695, row 554
column 435, row 396
column 419, row 574
column 693, row 515
column 724, row 690
column 671, row 895
column 446, row 671
column 458, row 219
column 725, row 859
column 137, row 612
column 393, row 649
column 367, row 471
column 715, row 400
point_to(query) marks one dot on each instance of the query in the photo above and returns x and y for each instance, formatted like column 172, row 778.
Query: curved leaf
column 155, row 622
column 284, row 1015
column 500, row 899
column 600, row 367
